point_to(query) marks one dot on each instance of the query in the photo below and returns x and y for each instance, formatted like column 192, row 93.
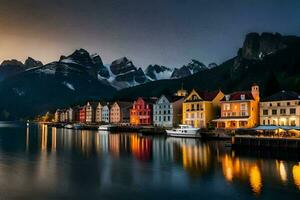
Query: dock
column 265, row 142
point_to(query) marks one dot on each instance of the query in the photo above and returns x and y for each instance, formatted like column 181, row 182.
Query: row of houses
column 242, row 109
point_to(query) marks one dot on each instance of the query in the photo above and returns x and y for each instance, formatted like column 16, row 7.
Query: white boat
column 187, row 131
column 69, row 126
column 104, row 127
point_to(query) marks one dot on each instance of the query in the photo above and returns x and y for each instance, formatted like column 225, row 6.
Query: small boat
column 104, row 127
column 69, row 126
column 186, row 131
column 77, row 126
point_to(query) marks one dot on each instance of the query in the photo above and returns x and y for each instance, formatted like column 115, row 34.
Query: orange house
column 240, row 109
column 141, row 111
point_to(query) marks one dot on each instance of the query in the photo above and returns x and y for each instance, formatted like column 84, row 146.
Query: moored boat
column 187, row 131
column 104, row 127
column 69, row 126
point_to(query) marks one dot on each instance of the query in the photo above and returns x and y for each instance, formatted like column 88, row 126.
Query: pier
column 265, row 142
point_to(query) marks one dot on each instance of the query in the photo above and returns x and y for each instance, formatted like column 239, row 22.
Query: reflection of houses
column 120, row 112
column 281, row 109
column 91, row 111
column 200, row 108
column 167, row 111
column 141, row 147
column 240, row 109
column 141, row 111
column 105, row 113
column 82, row 114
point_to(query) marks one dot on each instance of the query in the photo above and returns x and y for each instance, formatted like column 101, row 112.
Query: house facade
column 105, row 113
column 57, row 115
column 167, row 111
column 91, row 112
column 120, row 112
column 281, row 109
column 141, row 112
column 82, row 114
column 71, row 115
column 240, row 109
column 98, row 118
column 200, row 108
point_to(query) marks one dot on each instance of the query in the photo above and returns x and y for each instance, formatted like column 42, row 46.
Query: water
column 48, row 163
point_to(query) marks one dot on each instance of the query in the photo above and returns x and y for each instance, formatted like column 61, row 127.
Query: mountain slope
column 273, row 67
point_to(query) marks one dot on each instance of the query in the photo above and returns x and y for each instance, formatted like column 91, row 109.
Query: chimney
column 255, row 91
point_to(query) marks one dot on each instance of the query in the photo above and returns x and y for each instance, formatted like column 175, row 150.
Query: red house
column 82, row 114
column 141, row 111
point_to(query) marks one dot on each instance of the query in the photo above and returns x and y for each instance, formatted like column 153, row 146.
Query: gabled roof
column 170, row 98
column 204, row 95
column 148, row 100
column 283, row 96
column 237, row 96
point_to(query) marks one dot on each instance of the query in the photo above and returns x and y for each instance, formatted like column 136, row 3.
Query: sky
column 165, row 32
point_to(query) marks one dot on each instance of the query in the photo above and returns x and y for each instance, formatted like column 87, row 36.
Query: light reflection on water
column 56, row 159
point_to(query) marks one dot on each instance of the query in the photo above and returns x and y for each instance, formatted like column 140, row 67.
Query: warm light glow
column 296, row 175
column 255, row 179
column 282, row 171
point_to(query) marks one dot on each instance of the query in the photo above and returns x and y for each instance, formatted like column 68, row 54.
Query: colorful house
column 99, row 113
column 105, row 113
column 200, row 108
column 82, row 114
column 91, row 112
column 240, row 109
column 167, row 111
column 71, row 115
column 57, row 115
column 281, row 109
column 141, row 111
column 120, row 112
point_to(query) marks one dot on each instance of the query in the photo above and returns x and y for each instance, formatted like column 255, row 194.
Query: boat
column 104, row 127
column 185, row 131
column 69, row 126
column 77, row 126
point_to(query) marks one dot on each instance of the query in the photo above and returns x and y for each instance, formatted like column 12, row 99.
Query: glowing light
column 255, row 179
column 282, row 172
column 296, row 175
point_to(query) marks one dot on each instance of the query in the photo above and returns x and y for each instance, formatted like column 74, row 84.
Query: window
column 282, row 111
column 242, row 97
column 243, row 106
column 169, row 118
column 288, row 103
column 265, row 112
column 227, row 106
column 243, row 113
column 292, row 111
column 270, row 104
column 293, row 122
column 264, row 122
column 278, row 104
column 274, row 112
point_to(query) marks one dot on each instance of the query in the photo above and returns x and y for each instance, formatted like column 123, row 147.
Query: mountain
column 10, row 68
column 270, row 60
column 70, row 80
column 158, row 72
column 188, row 70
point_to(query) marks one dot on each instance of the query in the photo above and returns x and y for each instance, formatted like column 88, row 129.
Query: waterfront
column 39, row 162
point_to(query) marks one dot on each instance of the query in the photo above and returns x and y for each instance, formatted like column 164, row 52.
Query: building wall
column 98, row 117
column 82, row 115
column 287, row 113
column 115, row 113
column 105, row 114
column 141, row 113
column 163, row 113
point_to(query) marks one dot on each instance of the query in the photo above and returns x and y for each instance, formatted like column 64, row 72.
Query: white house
column 167, row 111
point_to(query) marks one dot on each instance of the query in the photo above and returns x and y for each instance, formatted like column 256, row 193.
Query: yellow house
column 200, row 108
column 240, row 109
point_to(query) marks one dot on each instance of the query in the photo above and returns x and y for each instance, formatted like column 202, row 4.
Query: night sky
column 167, row 32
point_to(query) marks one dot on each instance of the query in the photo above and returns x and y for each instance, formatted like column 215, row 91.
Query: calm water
column 48, row 163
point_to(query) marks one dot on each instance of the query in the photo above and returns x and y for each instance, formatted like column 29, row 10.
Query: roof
column 283, row 96
column 149, row 100
column 93, row 103
column 241, row 118
column 205, row 95
column 171, row 98
column 237, row 96
column 272, row 128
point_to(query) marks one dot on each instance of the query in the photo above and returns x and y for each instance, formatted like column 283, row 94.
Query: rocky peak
column 153, row 70
column 212, row 65
column 256, row 46
column 30, row 63
column 12, row 62
column 196, row 66
column 80, row 56
column 122, row 65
